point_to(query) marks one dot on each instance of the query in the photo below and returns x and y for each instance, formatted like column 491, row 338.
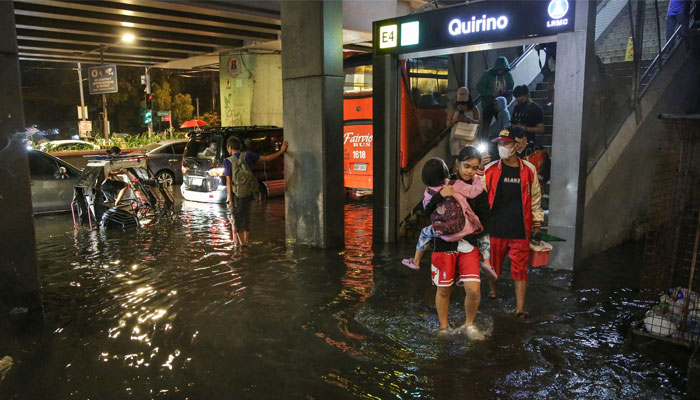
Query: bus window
column 428, row 82
column 358, row 79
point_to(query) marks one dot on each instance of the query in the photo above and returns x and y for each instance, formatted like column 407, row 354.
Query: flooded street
column 176, row 311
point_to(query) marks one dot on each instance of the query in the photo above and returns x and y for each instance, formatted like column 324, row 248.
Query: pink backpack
column 448, row 217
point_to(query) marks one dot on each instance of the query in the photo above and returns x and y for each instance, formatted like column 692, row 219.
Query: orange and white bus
column 423, row 104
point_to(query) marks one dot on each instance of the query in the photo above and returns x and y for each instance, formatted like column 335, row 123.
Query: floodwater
column 176, row 311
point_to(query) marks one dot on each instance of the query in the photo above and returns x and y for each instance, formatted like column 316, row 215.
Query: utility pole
column 148, row 93
column 83, row 117
column 197, row 101
column 105, row 119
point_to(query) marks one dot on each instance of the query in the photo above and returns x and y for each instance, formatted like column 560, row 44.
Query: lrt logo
column 557, row 9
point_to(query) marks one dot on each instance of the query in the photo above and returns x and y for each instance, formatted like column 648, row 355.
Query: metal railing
column 636, row 76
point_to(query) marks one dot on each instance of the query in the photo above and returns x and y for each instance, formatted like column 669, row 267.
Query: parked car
column 202, row 163
column 67, row 145
column 52, row 182
column 165, row 160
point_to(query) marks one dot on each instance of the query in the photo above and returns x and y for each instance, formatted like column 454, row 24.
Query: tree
column 212, row 118
column 162, row 98
column 182, row 107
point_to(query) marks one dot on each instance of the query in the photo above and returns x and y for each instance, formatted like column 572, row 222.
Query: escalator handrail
column 668, row 47
column 428, row 147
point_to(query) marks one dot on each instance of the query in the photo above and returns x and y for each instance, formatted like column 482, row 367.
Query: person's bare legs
column 442, row 303
column 520, row 288
column 472, row 299
column 244, row 237
column 418, row 256
column 120, row 195
column 493, row 288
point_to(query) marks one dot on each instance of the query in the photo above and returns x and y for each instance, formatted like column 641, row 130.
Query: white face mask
column 505, row 152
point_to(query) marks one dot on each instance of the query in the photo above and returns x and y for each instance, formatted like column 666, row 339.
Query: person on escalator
column 497, row 81
column 528, row 116
column 463, row 110
column 502, row 122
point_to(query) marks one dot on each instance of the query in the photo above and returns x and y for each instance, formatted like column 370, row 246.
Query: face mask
column 505, row 152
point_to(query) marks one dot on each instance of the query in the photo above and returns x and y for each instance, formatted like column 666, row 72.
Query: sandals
column 409, row 263
column 493, row 296
column 522, row 314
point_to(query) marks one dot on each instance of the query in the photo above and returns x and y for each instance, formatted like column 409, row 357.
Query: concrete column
column 312, row 86
column 385, row 110
column 572, row 118
column 19, row 280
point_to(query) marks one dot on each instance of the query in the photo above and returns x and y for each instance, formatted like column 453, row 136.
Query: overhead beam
column 194, row 26
column 56, row 25
column 95, row 41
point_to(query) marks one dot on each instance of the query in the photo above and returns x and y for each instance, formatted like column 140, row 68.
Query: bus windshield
column 358, row 79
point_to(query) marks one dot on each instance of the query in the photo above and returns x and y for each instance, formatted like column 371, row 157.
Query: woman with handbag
column 463, row 118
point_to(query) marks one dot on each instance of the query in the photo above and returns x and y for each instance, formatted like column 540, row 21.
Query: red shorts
column 444, row 263
column 518, row 250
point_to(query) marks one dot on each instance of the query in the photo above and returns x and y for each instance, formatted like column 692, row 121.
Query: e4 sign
column 388, row 36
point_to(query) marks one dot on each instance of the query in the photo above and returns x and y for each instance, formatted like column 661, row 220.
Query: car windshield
column 152, row 146
column 206, row 148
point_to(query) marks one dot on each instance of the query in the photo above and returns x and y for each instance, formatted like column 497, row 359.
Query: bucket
column 539, row 253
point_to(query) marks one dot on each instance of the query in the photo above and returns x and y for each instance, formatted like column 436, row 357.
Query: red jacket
column 530, row 189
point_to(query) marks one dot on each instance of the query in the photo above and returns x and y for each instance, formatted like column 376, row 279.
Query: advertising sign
column 103, row 79
column 473, row 23
column 85, row 128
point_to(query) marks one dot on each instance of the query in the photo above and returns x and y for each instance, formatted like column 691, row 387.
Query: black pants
column 241, row 214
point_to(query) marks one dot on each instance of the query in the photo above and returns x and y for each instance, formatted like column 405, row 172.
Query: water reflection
column 176, row 310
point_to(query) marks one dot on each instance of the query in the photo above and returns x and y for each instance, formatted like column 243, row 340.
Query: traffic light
column 147, row 117
column 149, row 101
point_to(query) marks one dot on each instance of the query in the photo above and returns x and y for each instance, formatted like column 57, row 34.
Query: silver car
column 52, row 182
column 165, row 160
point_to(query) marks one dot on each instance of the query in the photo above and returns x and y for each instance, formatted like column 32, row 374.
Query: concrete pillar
column 572, row 118
column 385, row 109
column 19, row 280
column 312, row 86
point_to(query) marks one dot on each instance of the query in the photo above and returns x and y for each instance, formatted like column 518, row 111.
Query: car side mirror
column 62, row 173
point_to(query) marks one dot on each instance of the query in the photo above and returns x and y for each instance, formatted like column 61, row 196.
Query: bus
column 423, row 103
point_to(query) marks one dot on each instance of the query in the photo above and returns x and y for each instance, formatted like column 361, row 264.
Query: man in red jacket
column 514, row 196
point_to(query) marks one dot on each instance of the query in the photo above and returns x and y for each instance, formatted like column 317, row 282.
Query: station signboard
column 473, row 23
column 103, row 79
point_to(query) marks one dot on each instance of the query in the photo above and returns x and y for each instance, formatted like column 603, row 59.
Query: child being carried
column 453, row 219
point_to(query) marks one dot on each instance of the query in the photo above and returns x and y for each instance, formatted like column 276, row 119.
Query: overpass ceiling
column 168, row 33
column 165, row 31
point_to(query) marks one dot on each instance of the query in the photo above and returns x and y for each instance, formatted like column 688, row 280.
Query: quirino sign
column 474, row 23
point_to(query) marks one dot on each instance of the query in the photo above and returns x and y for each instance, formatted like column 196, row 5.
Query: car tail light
column 216, row 172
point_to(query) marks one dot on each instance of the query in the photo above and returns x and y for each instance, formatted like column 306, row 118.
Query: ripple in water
column 177, row 311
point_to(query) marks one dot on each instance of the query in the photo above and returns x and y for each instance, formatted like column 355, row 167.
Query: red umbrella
column 193, row 123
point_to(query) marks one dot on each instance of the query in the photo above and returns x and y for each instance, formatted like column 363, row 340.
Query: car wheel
column 165, row 178
column 264, row 193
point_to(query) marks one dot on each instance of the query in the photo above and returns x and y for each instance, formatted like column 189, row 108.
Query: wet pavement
column 176, row 311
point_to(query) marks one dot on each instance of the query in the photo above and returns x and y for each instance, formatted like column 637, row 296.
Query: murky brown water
column 175, row 311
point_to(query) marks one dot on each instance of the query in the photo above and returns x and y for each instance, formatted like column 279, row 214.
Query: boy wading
column 514, row 195
column 241, row 185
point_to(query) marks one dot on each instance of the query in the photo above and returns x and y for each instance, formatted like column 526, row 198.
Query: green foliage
column 136, row 141
column 182, row 108
column 162, row 98
column 212, row 118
